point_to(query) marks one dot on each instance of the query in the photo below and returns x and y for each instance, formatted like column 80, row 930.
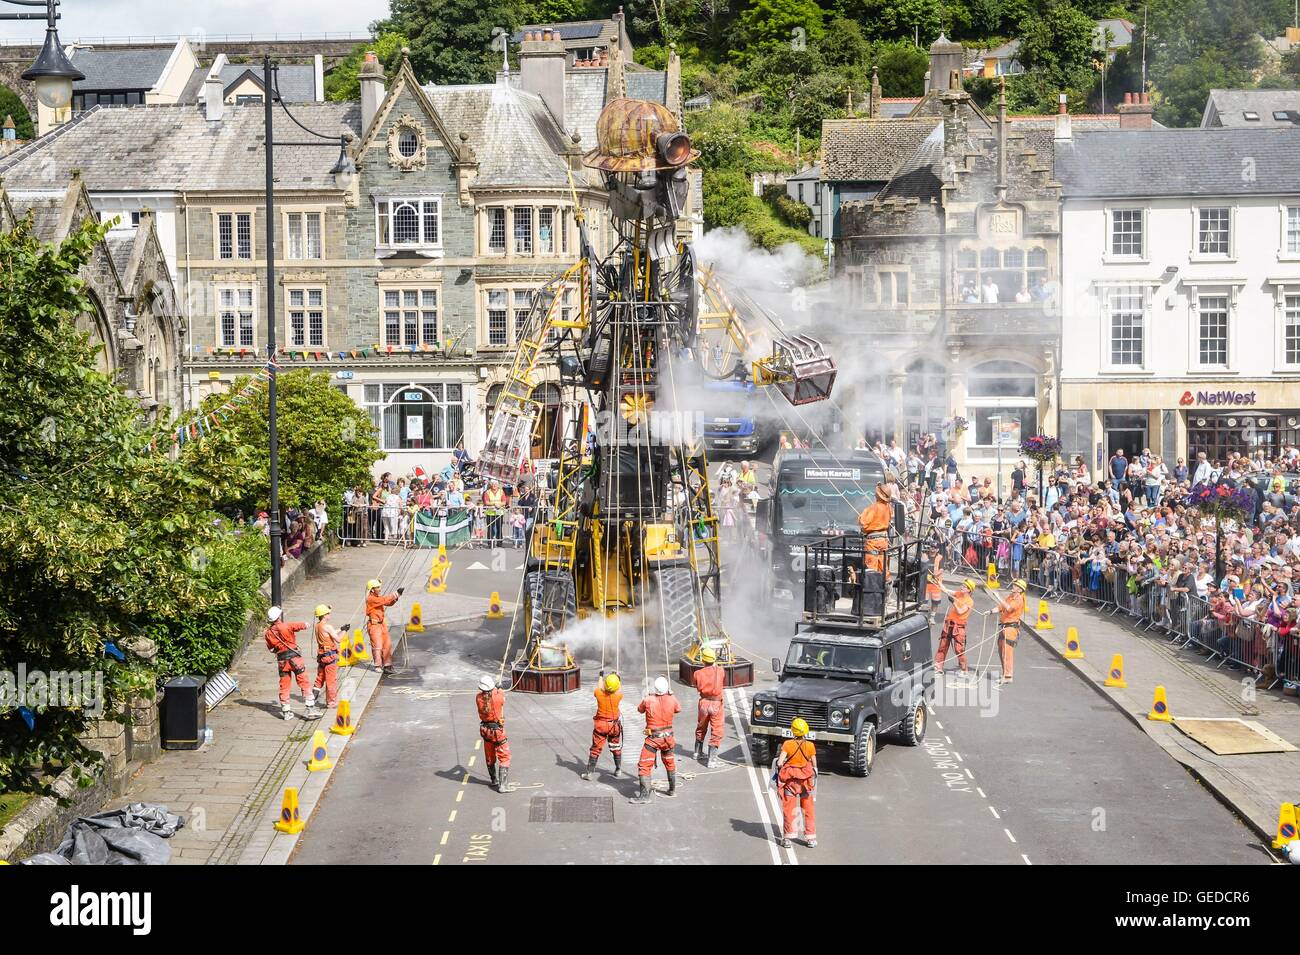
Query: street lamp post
column 343, row 171
column 52, row 71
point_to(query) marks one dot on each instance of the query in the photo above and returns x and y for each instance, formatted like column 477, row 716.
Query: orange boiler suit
column 933, row 588
column 709, row 682
column 797, row 779
column 281, row 640
column 659, row 740
column 607, row 726
column 874, row 522
column 1009, row 614
column 327, row 661
column 954, row 630
column 492, row 727
column 377, row 626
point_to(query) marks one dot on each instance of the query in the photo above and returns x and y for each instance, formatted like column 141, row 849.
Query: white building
column 1180, row 284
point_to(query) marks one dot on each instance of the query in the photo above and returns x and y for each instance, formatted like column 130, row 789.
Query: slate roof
column 173, row 148
column 119, row 69
column 812, row 172
column 1230, row 106
column 512, row 133
column 1180, row 162
column 584, row 98
column 651, row 85
column 870, row 150
column 120, row 246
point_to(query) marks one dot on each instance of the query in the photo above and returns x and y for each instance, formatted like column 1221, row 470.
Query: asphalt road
column 1044, row 771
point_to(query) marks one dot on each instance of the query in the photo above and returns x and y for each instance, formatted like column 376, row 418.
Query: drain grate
column 571, row 809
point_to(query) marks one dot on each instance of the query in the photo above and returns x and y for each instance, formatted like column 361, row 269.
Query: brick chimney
column 1135, row 112
column 371, row 76
column 541, row 70
column 1063, row 130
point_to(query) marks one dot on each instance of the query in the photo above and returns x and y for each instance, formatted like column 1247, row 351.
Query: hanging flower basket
column 955, row 426
column 1042, row 448
column 1221, row 501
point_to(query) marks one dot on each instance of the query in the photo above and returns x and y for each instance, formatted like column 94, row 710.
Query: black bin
column 184, row 713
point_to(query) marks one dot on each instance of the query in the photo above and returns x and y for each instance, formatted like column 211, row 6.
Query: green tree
column 96, row 531
column 11, row 105
column 326, row 443
column 452, row 40
column 343, row 83
column 1056, row 47
column 901, row 68
column 767, row 25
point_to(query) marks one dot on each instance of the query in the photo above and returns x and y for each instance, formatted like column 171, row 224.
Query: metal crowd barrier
column 411, row 526
column 1185, row 618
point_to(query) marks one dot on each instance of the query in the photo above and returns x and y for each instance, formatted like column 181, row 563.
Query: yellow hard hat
column 612, row 682
column 323, row 609
column 1020, row 582
column 709, row 655
column 373, row 583
column 799, row 727
column 972, row 585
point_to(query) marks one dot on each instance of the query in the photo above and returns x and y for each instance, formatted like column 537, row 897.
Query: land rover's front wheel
column 912, row 730
column 761, row 750
column 862, row 751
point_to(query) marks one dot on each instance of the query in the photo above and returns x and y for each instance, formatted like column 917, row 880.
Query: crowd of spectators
column 1134, row 538
column 393, row 507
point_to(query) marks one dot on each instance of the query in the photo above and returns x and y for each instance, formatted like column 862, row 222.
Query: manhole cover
column 571, row 809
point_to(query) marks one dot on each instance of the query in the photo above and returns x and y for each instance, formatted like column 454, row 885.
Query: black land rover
column 857, row 667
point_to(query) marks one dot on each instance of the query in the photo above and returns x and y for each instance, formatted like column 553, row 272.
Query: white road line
column 937, row 723
column 995, row 813
column 757, row 779
column 958, row 756
column 1009, row 835
column 969, row 774
column 948, row 740
column 1026, row 858
column 981, row 792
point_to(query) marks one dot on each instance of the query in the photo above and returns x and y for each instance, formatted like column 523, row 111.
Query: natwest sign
column 1218, row 398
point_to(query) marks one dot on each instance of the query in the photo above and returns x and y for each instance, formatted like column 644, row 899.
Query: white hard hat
column 661, row 686
column 274, row 613
column 487, row 682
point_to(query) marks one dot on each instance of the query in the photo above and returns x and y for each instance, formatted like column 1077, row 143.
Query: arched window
column 417, row 416
column 1002, row 397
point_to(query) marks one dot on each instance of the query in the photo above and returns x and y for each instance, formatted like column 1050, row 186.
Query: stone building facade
column 404, row 282
column 135, row 317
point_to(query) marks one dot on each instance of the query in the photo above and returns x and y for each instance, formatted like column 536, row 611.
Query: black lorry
column 861, row 662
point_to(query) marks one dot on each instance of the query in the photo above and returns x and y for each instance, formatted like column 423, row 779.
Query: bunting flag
column 204, row 425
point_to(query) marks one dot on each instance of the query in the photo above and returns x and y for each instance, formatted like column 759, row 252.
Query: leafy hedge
column 202, row 640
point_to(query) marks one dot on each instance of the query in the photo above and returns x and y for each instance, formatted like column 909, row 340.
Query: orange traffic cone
column 1160, row 707
column 290, row 820
column 1073, row 648
column 494, row 607
column 359, row 653
column 417, row 620
column 343, row 719
column 1115, row 675
column 991, row 578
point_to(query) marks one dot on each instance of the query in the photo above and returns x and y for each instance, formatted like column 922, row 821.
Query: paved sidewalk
column 1254, row 785
column 230, row 790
